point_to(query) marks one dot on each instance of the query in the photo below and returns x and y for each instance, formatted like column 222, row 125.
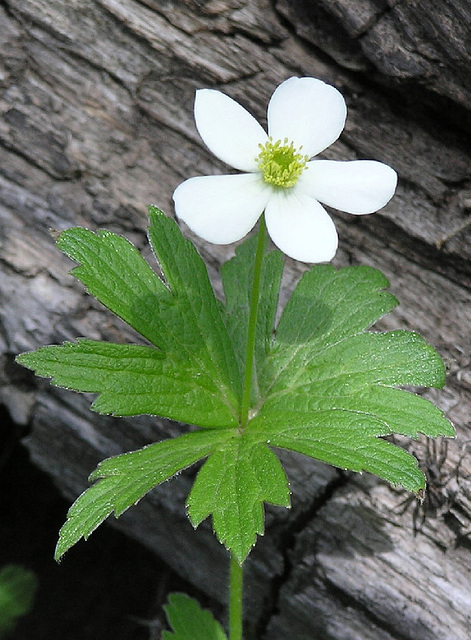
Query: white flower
column 305, row 116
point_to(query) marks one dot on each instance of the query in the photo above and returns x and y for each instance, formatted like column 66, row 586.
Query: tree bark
column 96, row 122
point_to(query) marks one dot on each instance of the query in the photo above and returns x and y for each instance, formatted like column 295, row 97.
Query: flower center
column 281, row 163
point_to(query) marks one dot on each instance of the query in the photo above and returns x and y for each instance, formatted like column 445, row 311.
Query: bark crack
column 286, row 543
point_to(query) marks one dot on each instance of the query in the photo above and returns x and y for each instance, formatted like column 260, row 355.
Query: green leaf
column 404, row 413
column 113, row 271
column 329, row 305
column 194, row 364
column 194, row 320
column 233, row 484
column 18, row 587
column 189, row 621
column 324, row 385
column 345, row 439
column 123, row 480
column 131, row 380
column 326, row 307
column 329, row 385
column 238, row 477
column 340, row 374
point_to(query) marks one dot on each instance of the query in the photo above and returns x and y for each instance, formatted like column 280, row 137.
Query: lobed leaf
column 329, row 386
column 132, row 380
column 123, row 480
column 232, row 485
column 194, row 365
column 345, row 373
column 194, row 321
column 326, row 307
column 403, row 412
column 344, row 439
column 113, row 271
column 324, row 386
column 329, row 305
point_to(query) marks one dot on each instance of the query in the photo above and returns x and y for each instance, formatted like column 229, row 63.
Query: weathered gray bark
column 96, row 121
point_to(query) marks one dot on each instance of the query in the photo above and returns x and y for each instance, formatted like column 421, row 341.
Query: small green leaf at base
column 17, row 590
column 189, row 621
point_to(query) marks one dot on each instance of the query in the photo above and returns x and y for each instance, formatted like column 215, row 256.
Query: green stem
column 235, row 600
column 254, row 300
column 235, row 580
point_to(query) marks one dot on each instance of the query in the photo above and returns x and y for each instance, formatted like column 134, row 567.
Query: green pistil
column 281, row 163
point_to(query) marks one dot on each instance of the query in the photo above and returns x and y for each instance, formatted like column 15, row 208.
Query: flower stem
column 235, row 580
column 235, row 600
column 252, row 328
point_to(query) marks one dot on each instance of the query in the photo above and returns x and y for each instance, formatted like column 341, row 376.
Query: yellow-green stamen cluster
column 281, row 163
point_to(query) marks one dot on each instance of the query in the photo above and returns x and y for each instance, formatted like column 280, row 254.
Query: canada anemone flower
column 279, row 178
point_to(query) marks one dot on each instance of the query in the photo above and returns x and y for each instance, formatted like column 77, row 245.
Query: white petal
column 358, row 186
column 301, row 227
column 308, row 112
column 221, row 209
column 228, row 130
